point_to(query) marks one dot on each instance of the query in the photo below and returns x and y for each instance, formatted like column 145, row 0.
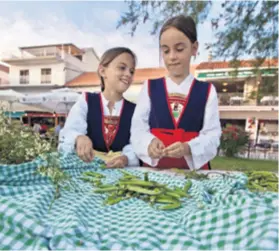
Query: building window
column 46, row 76
column 24, row 77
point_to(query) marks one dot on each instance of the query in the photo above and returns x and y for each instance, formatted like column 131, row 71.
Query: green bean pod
column 170, row 206
column 261, row 175
column 125, row 178
column 88, row 178
column 125, row 172
column 173, row 194
column 138, row 183
column 166, row 199
column 105, row 185
column 272, row 179
column 93, row 174
column 128, row 174
column 272, row 186
column 106, row 189
column 258, row 187
column 113, row 200
column 187, row 186
column 167, row 189
column 144, row 190
column 181, row 192
column 120, row 192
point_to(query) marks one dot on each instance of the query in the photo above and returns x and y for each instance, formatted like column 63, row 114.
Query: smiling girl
column 101, row 121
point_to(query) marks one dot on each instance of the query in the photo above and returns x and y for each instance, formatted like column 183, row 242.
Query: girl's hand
column 177, row 150
column 118, row 162
column 155, row 149
column 84, row 148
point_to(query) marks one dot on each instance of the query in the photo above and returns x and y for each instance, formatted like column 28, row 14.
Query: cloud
column 18, row 30
column 92, row 28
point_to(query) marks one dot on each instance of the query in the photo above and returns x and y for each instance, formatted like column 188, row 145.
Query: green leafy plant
column 19, row 144
column 51, row 169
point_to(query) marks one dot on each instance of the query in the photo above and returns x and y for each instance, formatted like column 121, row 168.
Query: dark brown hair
column 185, row 24
column 109, row 56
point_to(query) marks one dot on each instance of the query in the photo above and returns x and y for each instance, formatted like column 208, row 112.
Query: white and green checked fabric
column 231, row 219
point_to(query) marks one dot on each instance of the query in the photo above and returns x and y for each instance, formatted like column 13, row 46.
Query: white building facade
column 42, row 68
column 4, row 75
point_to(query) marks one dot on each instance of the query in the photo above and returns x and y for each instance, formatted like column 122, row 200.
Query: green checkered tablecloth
column 233, row 218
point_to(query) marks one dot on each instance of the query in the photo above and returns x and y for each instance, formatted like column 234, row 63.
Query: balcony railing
column 42, row 53
column 231, row 99
column 234, row 99
column 33, row 55
column 269, row 100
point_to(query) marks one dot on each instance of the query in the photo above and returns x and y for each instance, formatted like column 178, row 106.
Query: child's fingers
column 115, row 164
column 156, row 152
column 80, row 148
column 175, row 153
column 89, row 154
column 175, row 150
column 173, row 146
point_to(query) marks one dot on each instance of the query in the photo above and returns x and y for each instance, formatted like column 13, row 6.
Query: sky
column 85, row 24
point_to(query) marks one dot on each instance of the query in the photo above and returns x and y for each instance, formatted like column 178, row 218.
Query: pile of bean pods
column 262, row 181
column 131, row 186
column 258, row 181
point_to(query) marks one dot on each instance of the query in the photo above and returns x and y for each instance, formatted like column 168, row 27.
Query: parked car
column 264, row 144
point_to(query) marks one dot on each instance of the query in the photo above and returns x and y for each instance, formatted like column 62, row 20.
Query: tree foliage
column 241, row 28
column 158, row 11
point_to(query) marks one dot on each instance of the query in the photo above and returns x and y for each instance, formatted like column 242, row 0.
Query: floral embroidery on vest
column 110, row 124
column 177, row 102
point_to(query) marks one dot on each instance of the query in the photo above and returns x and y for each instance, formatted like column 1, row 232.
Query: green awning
column 240, row 73
column 15, row 114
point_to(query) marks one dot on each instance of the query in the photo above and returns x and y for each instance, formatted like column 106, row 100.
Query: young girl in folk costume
column 101, row 121
column 176, row 121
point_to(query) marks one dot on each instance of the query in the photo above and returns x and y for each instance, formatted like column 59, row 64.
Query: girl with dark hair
column 176, row 121
column 101, row 121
